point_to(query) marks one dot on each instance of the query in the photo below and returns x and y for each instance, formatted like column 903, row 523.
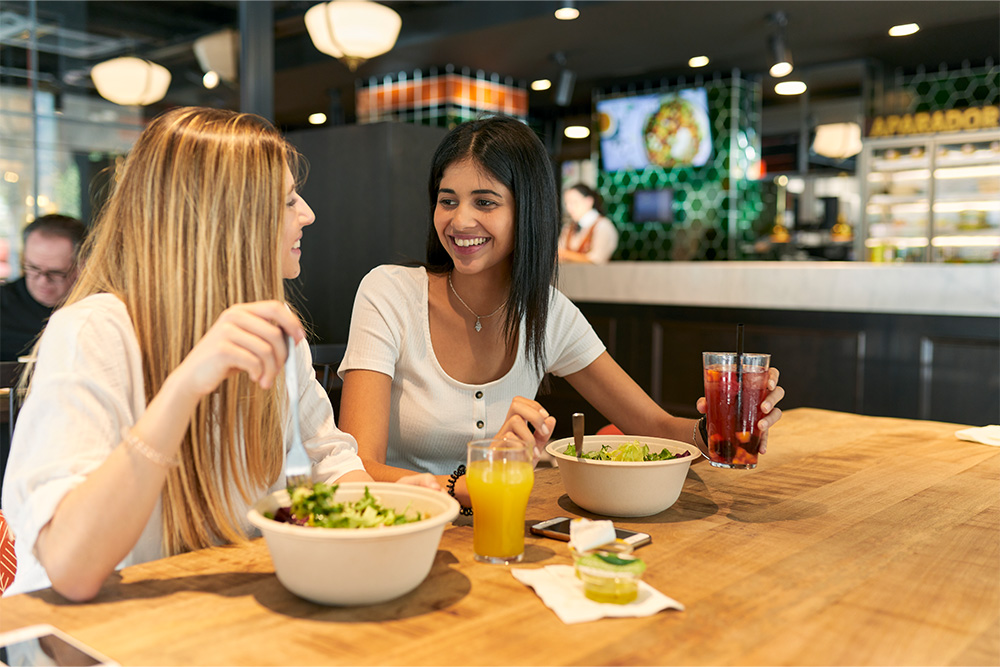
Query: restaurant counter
column 856, row 287
column 856, row 541
column 913, row 341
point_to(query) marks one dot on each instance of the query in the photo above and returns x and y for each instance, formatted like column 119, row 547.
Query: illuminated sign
column 927, row 122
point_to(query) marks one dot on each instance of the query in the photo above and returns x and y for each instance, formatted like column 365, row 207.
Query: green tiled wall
column 937, row 89
column 704, row 207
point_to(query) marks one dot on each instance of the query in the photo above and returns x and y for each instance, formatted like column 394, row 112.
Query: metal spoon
column 578, row 433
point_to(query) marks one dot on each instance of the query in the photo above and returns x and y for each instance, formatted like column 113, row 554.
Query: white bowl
column 623, row 488
column 357, row 566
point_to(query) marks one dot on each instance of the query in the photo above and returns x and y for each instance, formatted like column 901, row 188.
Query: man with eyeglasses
column 49, row 267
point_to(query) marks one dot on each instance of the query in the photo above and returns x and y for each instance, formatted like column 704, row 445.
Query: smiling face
column 297, row 215
column 474, row 217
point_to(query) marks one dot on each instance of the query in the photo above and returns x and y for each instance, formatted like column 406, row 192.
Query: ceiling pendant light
column 903, row 30
column 130, row 81
column 837, row 140
column 219, row 52
column 790, row 87
column 779, row 55
column 567, row 11
column 353, row 30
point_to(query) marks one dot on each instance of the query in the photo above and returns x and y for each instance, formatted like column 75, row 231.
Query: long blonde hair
column 192, row 227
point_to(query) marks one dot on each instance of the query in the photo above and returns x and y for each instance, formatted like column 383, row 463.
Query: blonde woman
column 156, row 408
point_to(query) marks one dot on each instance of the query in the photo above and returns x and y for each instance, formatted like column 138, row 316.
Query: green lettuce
column 315, row 505
column 628, row 451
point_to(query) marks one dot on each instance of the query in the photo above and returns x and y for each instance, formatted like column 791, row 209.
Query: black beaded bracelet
column 703, row 429
column 459, row 471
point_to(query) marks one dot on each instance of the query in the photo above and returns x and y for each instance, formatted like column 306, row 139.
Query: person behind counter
column 156, row 412
column 454, row 350
column 49, row 268
column 589, row 237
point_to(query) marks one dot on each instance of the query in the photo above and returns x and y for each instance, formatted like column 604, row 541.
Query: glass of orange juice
column 499, row 474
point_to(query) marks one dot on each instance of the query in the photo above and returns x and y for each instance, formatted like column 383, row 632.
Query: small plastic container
column 610, row 573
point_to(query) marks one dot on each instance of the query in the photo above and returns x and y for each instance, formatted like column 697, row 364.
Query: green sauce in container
column 610, row 573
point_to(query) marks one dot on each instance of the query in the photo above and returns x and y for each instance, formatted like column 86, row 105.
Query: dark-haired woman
column 589, row 237
column 456, row 349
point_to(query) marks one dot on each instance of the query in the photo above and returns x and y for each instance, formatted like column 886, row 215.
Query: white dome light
column 790, row 88
column 837, row 140
column 778, row 70
column 903, row 30
column 129, row 80
column 353, row 30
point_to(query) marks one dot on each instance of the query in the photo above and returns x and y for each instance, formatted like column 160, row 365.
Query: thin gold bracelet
column 148, row 452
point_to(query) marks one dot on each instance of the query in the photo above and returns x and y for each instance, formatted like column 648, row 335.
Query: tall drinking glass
column 734, row 394
column 499, row 475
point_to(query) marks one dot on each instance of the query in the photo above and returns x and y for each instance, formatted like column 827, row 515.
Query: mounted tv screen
column 666, row 129
column 653, row 205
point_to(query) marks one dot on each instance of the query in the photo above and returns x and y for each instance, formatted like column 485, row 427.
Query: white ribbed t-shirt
column 432, row 416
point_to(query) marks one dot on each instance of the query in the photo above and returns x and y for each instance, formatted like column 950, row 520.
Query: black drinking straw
column 739, row 376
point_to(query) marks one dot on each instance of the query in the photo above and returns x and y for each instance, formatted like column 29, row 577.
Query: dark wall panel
column 959, row 380
column 910, row 366
column 368, row 187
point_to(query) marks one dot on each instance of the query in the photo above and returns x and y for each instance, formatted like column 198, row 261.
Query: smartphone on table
column 558, row 529
column 46, row 645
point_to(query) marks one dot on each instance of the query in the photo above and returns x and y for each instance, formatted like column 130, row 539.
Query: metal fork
column 298, row 467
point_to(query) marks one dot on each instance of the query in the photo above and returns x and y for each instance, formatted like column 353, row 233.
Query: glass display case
column 932, row 198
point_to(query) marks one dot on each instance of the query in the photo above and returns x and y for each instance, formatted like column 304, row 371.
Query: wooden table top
column 857, row 541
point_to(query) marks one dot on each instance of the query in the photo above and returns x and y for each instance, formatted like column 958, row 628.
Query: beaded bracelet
column 459, row 471
column 131, row 440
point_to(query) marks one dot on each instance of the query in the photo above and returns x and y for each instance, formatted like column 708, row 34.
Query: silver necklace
column 479, row 325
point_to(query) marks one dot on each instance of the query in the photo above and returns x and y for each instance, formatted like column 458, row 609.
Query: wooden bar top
column 857, row 541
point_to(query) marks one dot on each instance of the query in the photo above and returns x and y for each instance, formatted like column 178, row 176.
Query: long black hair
column 512, row 154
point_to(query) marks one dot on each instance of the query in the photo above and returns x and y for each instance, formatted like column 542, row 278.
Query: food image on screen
column 664, row 129
column 673, row 134
column 606, row 125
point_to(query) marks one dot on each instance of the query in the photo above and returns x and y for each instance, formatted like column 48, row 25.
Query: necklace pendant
column 479, row 325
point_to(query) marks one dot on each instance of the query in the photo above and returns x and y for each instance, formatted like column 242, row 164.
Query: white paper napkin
column 562, row 592
column 987, row 435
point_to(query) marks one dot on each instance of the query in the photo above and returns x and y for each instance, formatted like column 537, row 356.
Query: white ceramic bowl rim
column 449, row 508
column 558, row 447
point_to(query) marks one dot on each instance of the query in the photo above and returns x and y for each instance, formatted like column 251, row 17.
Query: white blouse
column 88, row 386
column 432, row 416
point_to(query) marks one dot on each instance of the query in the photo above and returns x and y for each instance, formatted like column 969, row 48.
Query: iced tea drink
column 734, row 407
